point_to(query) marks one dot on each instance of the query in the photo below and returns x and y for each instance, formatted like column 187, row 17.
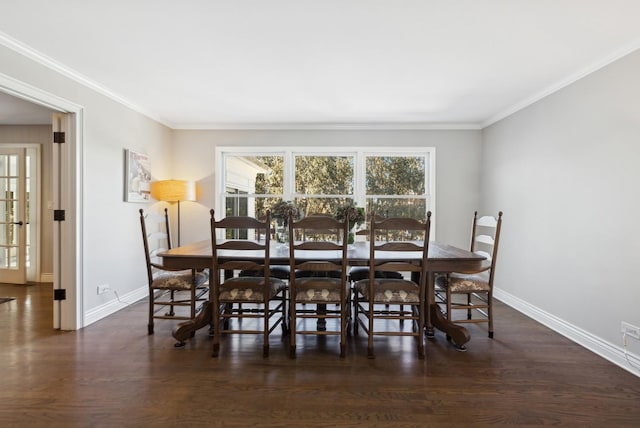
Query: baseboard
column 118, row 302
column 608, row 351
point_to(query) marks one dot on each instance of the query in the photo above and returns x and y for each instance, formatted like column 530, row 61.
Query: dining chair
column 277, row 271
column 357, row 273
column 382, row 305
column 315, row 233
column 323, row 296
column 250, row 304
column 167, row 286
column 477, row 285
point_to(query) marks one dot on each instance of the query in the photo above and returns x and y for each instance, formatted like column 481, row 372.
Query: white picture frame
column 137, row 180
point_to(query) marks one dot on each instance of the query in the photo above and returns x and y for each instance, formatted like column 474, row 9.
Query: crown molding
column 31, row 53
column 330, row 126
column 563, row 83
column 54, row 65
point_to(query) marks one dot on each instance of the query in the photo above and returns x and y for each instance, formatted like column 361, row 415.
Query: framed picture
column 137, row 177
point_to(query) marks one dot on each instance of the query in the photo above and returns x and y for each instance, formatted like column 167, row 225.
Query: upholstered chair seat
column 460, row 282
column 250, row 289
column 318, row 289
column 390, row 290
column 180, row 280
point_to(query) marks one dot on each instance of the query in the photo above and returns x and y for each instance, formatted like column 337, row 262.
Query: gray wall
column 565, row 172
column 111, row 245
column 457, row 168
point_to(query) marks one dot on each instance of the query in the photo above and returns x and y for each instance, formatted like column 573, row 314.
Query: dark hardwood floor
column 112, row 374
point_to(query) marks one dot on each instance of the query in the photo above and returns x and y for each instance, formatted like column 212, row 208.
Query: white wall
column 111, row 246
column 565, row 171
column 457, row 170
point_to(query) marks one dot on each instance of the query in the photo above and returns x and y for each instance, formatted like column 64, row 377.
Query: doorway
column 65, row 167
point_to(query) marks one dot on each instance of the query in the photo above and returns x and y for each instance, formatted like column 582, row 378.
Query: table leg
column 458, row 334
column 435, row 319
column 430, row 300
column 185, row 330
column 321, row 325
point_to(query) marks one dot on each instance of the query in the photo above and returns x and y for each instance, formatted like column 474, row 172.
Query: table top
column 442, row 257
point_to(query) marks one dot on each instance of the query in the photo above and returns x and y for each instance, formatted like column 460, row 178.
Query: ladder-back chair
column 324, row 295
column 168, row 287
column 477, row 286
column 238, row 300
column 379, row 300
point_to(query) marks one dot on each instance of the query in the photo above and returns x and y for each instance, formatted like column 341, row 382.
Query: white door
column 14, row 216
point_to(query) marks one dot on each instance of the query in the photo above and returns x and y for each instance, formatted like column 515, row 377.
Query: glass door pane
column 9, row 235
column 12, row 220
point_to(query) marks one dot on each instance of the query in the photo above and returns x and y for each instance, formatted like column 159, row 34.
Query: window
column 393, row 182
column 396, row 185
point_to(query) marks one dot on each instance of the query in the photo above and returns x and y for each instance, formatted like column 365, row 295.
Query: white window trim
column 359, row 153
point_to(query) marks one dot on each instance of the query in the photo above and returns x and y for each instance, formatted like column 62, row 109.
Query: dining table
column 442, row 258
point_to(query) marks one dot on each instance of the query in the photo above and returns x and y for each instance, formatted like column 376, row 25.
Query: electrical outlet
column 103, row 288
column 630, row 330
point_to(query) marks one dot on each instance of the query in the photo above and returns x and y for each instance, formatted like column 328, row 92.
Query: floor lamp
column 174, row 191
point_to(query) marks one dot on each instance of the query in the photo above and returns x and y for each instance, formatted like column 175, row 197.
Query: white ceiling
column 253, row 63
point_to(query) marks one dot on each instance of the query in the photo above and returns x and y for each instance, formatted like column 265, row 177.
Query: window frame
column 360, row 154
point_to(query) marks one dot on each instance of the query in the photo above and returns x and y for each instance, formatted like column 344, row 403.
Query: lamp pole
column 178, row 222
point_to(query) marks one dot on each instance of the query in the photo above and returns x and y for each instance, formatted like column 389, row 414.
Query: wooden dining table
column 442, row 258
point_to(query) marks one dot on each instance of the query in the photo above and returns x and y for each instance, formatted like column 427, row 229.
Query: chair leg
column 171, row 310
column 348, row 319
column 370, row 353
column 419, row 336
column 490, row 313
column 343, row 330
column 216, row 325
column 292, row 327
column 355, row 313
column 151, row 304
column 265, row 337
column 193, row 301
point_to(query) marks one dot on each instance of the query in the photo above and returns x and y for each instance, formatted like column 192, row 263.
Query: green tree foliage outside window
column 395, row 184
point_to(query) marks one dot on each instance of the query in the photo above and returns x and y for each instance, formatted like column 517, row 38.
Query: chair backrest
column 367, row 229
column 316, row 231
column 386, row 255
column 485, row 237
column 250, row 254
column 156, row 238
column 323, row 236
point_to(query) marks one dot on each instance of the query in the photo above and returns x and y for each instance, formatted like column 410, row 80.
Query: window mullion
column 288, row 179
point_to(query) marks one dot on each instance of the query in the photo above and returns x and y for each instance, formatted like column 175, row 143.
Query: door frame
column 67, row 172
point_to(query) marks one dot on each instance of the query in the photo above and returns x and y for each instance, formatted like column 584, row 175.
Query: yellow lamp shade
column 173, row 190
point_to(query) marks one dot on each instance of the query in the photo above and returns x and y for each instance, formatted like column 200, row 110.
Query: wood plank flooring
column 112, row 374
